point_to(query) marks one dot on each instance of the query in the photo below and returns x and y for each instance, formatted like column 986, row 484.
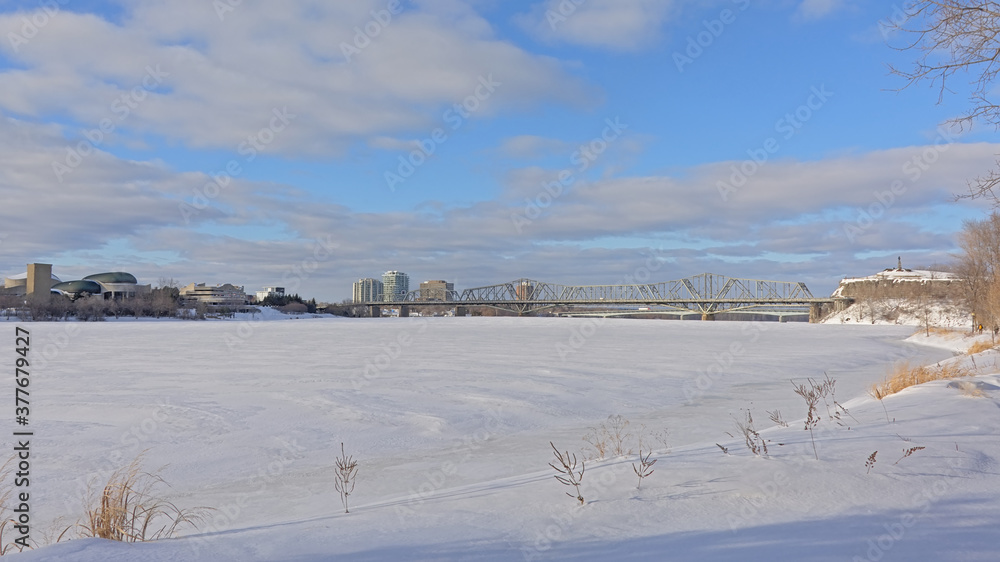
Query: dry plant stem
column 908, row 452
column 776, row 418
column 644, row 469
column 870, row 462
column 754, row 442
column 127, row 510
column 811, row 397
column 347, row 470
column 567, row 471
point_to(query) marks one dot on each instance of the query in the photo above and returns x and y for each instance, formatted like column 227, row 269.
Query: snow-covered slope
column 451, row 420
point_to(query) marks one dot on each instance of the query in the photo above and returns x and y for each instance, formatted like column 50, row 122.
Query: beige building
column 214, row 295
column 436, row 291
column 367, row 290
column 31, row 281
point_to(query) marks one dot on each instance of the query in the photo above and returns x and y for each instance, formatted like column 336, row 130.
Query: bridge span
column 706, row 294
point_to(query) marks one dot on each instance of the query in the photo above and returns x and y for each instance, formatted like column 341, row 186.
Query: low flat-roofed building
column 214, row 295
column 270, row 292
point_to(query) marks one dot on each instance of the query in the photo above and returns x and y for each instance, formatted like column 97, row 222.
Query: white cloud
column 811, row 10
column 614, row 24
column 533, row 146
column 256, row 233
column 221, row 80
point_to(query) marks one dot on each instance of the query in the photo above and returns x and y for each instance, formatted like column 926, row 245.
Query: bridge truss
column 706, row 294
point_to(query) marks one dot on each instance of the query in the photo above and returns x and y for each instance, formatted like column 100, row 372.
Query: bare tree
column 979, row 265
column 954, row 37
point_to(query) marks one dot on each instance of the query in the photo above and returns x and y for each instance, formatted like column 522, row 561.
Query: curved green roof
column 113, row 277
column 77, row 287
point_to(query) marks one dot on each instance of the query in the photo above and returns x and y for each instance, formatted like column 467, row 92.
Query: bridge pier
column 815, row 313
column 404, row 311
column 461, row 311
column 706, row 317
column 374, row 311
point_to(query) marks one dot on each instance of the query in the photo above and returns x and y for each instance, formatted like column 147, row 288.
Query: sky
column 308, row 144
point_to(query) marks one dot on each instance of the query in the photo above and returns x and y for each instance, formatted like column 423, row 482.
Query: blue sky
column 749, row 138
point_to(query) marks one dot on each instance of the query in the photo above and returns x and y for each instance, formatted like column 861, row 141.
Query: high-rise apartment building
column 367, row 290
column 395, row 285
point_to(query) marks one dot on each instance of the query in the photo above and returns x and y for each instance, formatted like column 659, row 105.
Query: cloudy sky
column 311, row 143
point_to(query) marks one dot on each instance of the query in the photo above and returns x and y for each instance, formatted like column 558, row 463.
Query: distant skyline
column 310, row 144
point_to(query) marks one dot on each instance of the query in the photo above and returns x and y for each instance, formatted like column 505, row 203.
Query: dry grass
column 940, row 331
column 904, row 375
column 129, row 511
column 611, row 437
column 979, row 347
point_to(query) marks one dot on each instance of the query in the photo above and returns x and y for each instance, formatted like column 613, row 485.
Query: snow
column 904, row 312
column 451, row 418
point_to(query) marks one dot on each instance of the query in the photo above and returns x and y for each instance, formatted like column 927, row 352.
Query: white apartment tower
column 395, row 285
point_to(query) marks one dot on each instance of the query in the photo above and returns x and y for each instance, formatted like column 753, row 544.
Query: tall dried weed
column 128, row 509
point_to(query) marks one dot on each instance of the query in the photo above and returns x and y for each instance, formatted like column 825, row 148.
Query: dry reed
column 979, row 347
column 128, row 511
column 904, row 375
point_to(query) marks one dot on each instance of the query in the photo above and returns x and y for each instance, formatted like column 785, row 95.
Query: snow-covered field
column 451, row 420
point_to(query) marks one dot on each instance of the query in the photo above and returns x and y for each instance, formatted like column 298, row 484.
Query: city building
column 40, row 280
column 395, row 285
column 31, row 281
column 217, row 295
column 436, row 291
column 118, row 285
column 524, row 291
column 367, row 290
column 270, row 292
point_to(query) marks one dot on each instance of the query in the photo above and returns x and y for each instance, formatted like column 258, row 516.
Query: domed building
column 118, row 284
column 110, row 285
column 77, row 289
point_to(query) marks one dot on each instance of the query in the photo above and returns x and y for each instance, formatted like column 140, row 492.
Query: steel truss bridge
column 706, row 294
